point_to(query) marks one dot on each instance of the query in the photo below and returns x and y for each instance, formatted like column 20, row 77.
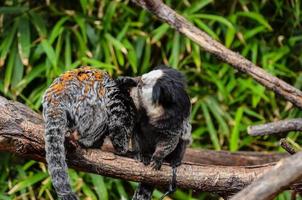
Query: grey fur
column 86, row 101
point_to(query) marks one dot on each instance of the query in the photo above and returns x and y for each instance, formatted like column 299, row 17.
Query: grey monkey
column 89, row 102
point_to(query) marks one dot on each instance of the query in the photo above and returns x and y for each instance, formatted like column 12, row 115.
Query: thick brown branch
column 21, row 132
column 182, row 25
column 276, row 127
column 286, row 172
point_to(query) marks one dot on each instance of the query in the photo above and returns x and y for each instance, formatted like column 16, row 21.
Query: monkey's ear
column 161, row 94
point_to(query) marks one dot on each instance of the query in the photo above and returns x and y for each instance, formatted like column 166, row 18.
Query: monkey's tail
column 143, row 192
column 55, row 129
column 172, row 186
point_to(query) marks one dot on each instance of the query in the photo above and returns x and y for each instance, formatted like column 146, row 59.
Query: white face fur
column 142, row 94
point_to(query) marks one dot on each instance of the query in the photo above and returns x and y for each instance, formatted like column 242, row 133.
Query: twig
column 290, row 149
column 276, row 127
column 286, row 145
column 182, row 25
column 286, row 172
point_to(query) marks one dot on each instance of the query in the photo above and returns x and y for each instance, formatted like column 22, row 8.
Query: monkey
column 163, row 129
column 90, row 103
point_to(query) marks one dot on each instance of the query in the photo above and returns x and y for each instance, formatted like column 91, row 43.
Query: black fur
column 161, row 136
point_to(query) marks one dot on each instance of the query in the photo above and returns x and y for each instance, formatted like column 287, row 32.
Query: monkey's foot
column 121, row 152
column 156, row 163
column 70, row 196
column 71, row 142
column 144, row 159
column 131, row 154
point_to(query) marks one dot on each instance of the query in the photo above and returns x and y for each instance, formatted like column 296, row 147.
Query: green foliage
column 39, row 40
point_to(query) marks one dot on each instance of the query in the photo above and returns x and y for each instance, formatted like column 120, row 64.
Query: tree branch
column 21, row 132
column 286, row 172
column 166, row 14
column 283, row 126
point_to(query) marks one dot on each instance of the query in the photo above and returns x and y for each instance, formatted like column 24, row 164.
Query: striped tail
column 55, row 129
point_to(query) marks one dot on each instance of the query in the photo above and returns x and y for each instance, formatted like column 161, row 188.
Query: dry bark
column 274, row 180
column 283, row 126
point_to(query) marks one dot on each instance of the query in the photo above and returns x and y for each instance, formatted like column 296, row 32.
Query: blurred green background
column 41, row 39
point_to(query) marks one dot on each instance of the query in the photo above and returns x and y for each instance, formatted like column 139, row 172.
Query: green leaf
column 216, row 18
column 84, row 4
column 99, row 186
column 117, row 44
column 210, row 125
column 174, row 57
column 257, row 17
column 121, row 190
column 17, row 72
column 51, row 55
column 24, row 42
column 123, row 32
column 110, row 11
column 98, row 64
column 29, row 181
column 88, row 192
column 251, row 33
column 131, row 55
column 57, row 29
column 67, row 54
column 13, row 10
column 34, row 73
column 146, row 57
column 38, row 22
column 7, row 43
column 196, row 55
column 9, row 69
column 218, row 114
column 197, row 6
column 82, row 24
column 234, row 142
column 206, row 28
column 159, row 32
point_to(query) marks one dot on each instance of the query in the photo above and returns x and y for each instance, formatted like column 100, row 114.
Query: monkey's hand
column 146, row 159
column 71, row 141
column 156, row 162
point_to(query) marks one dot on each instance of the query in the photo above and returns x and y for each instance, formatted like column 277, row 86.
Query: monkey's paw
column 156, row 163
column 121, row 151
column 70, row 196
column 145, row 159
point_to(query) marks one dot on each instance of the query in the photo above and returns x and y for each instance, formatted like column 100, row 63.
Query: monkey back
column 77, row 85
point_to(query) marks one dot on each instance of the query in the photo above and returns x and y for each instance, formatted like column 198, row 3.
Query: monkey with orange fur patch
column 89, row 102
